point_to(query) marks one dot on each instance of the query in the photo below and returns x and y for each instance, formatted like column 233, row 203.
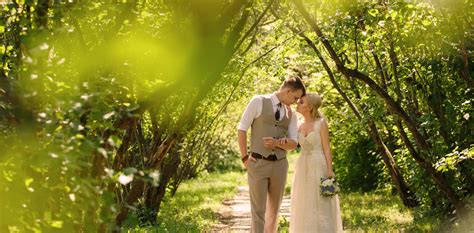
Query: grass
column 194, row 207
column 378, row 211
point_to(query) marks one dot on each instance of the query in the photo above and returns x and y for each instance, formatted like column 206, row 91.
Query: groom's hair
column 294, row 83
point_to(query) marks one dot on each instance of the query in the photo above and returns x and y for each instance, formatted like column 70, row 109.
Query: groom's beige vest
column 266, row 126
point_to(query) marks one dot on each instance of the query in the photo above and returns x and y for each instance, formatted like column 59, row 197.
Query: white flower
column 108, row 115
column 155, row 175
column 466, row 116
column 109, row 172
column 44, row 46
column 124, row 179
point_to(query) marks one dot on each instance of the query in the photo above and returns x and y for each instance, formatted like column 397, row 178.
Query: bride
column 310, row 211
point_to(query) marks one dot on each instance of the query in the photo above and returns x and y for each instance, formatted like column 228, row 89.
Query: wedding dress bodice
column 312, row 141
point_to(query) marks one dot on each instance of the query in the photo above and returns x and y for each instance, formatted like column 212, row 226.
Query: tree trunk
column 133, row 195
column 154, row 195
column 407, row 196
column 435, row 102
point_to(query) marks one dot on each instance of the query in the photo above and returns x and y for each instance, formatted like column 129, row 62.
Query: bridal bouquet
column 329, row 186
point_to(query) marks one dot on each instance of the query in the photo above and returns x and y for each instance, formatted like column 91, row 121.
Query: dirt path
column 235, row 213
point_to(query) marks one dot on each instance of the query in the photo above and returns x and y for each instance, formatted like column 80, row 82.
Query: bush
column 360, row 167
column 222, row 158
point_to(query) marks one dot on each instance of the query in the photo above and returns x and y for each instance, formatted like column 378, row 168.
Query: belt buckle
column 256, row 155
column 272, row 157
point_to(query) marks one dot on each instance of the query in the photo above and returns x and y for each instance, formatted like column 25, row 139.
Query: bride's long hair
column 315, row 101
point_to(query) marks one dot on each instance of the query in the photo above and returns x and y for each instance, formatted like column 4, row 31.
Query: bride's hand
column 282, row 141
column 269, row 142
column 331, row 173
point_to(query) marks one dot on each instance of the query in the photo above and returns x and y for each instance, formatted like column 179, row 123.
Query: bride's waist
column 312, row 151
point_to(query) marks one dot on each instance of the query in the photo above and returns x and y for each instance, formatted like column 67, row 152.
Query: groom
column 274, row 132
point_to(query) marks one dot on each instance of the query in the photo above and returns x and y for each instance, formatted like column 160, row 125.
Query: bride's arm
column 326, row 147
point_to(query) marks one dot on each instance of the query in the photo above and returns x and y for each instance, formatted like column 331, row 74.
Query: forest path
column 235, row 214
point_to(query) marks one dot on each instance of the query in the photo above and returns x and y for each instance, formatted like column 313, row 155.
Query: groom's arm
column 291, row 141
column 286, row 144
column 251, row 111
column 242, row 139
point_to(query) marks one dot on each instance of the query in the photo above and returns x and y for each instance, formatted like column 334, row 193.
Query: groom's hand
column 249, row 160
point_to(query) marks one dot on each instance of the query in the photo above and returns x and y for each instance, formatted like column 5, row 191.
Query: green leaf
column 129, row 170
column 394, row 14
column 28, row 181
column 373, row 12
column 426, row 22
column 57, row 224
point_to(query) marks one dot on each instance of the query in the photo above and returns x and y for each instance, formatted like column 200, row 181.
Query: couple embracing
column 274, row 132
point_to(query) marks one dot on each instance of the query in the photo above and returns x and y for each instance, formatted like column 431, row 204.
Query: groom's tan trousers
column 266, row 185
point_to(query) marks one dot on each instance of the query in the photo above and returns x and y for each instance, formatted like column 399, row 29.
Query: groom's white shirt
column 254, row 109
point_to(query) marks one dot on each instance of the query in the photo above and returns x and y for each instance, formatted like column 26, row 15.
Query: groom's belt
column 269, row 158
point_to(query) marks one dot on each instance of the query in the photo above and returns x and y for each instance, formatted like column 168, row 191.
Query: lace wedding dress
column 310, row 211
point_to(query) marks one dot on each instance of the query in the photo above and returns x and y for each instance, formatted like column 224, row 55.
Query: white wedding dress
column 310, row 211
